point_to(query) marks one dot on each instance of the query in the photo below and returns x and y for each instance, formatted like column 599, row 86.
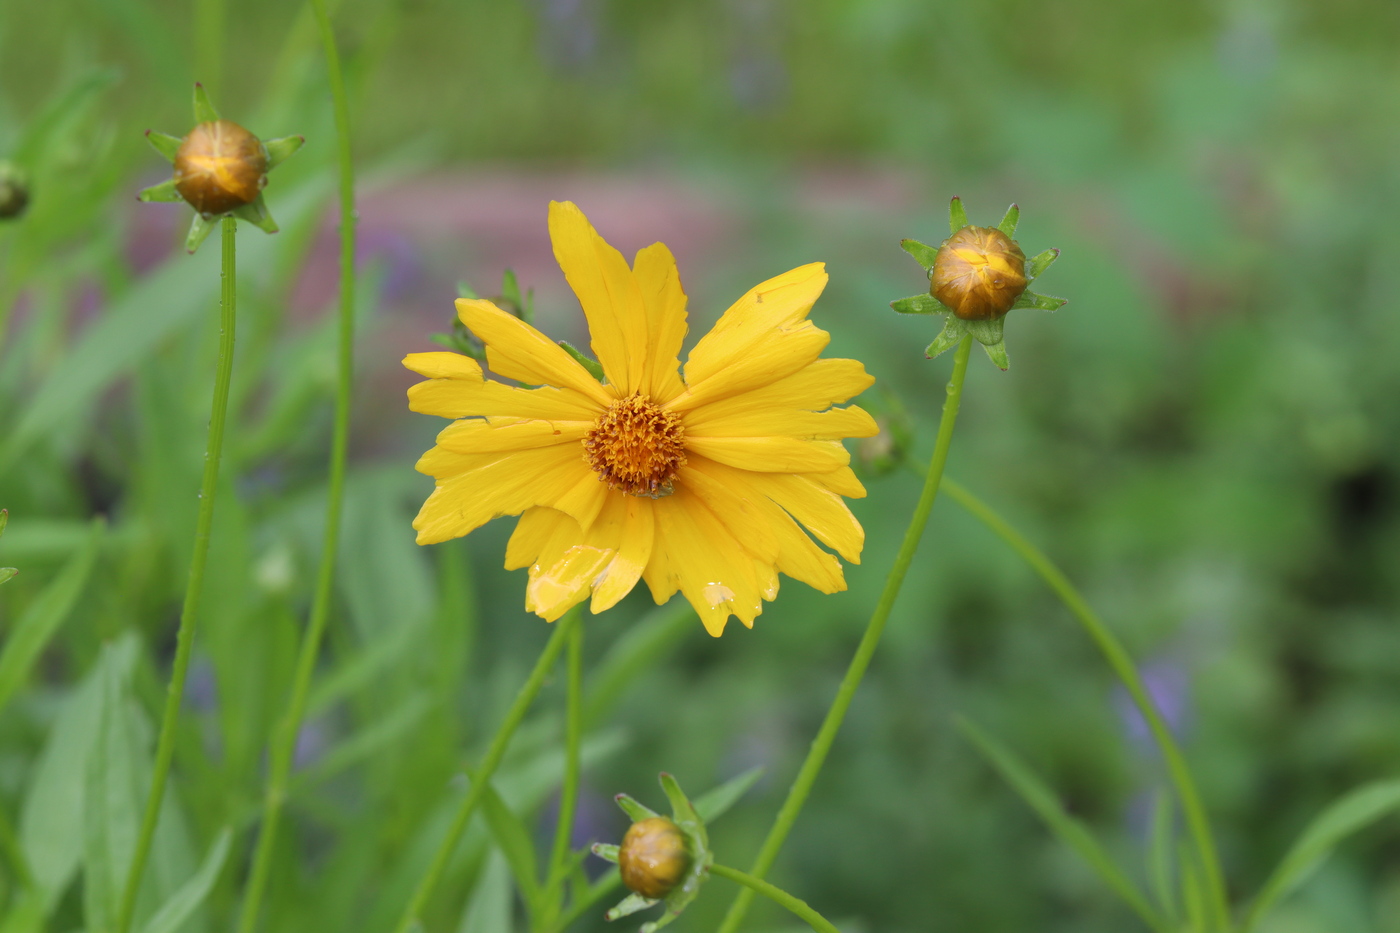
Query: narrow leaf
column 510, row 291
column 923, row 253
column 1071, row 831
column 715, row 802
column 1352, row 813
column 192, row 893
column 1041, row 262
column 957, row 215
column 1160, row 845
column 595, row 369
column 1010, row 220
column 919, row 304
column 489, row 909
column 43, row 617
column 514, row 842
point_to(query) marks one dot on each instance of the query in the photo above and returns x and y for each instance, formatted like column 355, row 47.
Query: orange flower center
column 637, row 447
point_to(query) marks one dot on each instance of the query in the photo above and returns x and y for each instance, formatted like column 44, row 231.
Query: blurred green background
column 1207, row 437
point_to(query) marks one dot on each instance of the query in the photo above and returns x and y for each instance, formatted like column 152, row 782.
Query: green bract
column 989, row 333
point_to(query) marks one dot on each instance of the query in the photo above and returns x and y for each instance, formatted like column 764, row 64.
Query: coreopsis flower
column 699, row 480
column 219, row 168
column 976, row 276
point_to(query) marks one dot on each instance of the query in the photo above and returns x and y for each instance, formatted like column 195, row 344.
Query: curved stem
column 776, row 894
column 208, row 486
column 821, row 745
column 568, row 793
column 283, row 746
column 481, row 777
column 1122, row 664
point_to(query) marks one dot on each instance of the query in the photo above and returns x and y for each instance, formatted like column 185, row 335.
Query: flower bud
column 14, row 191
column 653, row 857
column 220, row 166
column 979, row 272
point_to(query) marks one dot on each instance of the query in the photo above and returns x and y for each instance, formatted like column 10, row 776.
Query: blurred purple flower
column 568, row 32
column 1168, row 685
column 403, row 259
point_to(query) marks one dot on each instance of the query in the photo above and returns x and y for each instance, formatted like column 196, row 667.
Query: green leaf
column 174, row 912
column 715, row 802
column 510, row 291
column 489, row 908
column 957, row 215
column 923, row 253
column 278, row 150
column 1071, row 831
column 635, row 810
column 4, row 519
column 1193, row 894
column 200, row 229
column 919, row 304
column 953, row 331
column 513, row 840
column 164, row 192
column 1010, row 220
column 164, row 143
column 365, row 744
column 257, row 215
column 1161, row 842
column 204, row 111
column 1040, row 263
column 43, row 617
column 642, row 648
column 1350, row 814
column 595, row 369
column 465, row 291
column 1042, row 302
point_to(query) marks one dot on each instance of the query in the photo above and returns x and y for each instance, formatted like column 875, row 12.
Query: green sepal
column 466, row 291
column 996, row 352
column 1037, row 266
column 164, row 143
column 458, row 344
column 635, row 810
column 629, row 905
column 987, row 332
column 528, row 311
column 923, row 253
column 953, row 331
column 716, row 802
column 510, row 291
column 6, row 573
column 595, row 369
column 957, row 215
column 199, row 231
column 257, row 215
column 605, row 850
column 279, row 149
column 683, row 811
column 1009, row 221
column 1043, row 302
column 4, row 519
column 165, row 191
column 204, row 111
column 919, row 304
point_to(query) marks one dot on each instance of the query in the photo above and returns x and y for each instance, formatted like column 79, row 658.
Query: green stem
column 283, row 745
column 1122, row 664
column 481, row 777
column 568, row 794
column 600, row 890
column 208, row 486
column 821, row 745
column 776, row 894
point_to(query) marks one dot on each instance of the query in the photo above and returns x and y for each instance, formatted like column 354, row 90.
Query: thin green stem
column 283, row 746
column 481, row 777
column 600, row 890
column 208, row 487
column 1122, row 664
column 568, row 794
column 776, row 894
column 821, row 745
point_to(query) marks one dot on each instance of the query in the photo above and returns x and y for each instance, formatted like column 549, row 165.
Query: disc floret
column 637, row 447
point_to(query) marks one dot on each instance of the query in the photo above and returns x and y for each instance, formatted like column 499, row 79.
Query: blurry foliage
column 1207, row 439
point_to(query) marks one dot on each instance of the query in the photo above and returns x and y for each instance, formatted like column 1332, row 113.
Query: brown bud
column 14, row 191
column 979, row 272
column 220, row 166
column 653, row 857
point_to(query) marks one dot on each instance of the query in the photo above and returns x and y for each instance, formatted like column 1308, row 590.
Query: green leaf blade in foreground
column 715, row 802
column 513, row 841
column 1070, row 830
column 1350, row 814
column 174, row 912
column 43, row 618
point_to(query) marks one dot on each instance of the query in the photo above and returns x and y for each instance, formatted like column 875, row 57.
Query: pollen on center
column 636, row 447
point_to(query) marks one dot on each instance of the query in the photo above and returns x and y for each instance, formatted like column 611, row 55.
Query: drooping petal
column 563, row 572
column 457, row 388
column 636, row 536
column 664, row 299
column 516, row 350
column 610, row 296
column 712, row 568
column 813, row 388
column 772, row 454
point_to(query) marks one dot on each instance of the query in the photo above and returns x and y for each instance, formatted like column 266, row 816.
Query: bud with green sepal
column 220, row 169
column 462, row 340
column 976, row 276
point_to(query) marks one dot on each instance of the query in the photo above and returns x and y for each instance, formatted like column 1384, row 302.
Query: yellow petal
column 833, row 424
column 516, row 350
column 772, row 454
column 842, row 481
column 611, row 299
column 505, row 486
column 813, row 388
column 458, row 389
column 476, row 435
column 532, row 532
column 636, row 536
column 822, row 511
column 562, row 571
column 660, row 283
column 714, row 571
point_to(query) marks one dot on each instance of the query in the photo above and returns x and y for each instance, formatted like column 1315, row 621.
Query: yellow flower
column 693, row 482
